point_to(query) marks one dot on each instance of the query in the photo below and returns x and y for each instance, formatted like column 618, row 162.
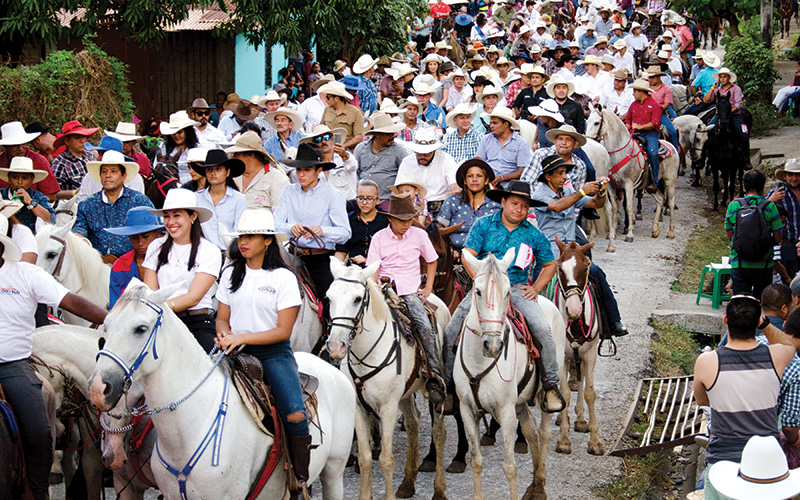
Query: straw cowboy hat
column 403, row 70
column 411, row 101
column 651, row 71
column 592, row 59
column 73, row 128
column 620, row 74
column 322, row 81
column 461, row 109
column 514, row 188
column 339, row 65
column 297, row 120
column 547, row 107
column 231, row 100
column 441, row 44
column 22, row 165
column 490, row 90
column 763, row 473
column 177, row 122
column 524, row 69
column 550, row 164
column 663, row 54
column 14, row 134
column 248, row 142
column 620, row 44
column 381, row 123
column 725, row 71
column 125, row 132
column 257, row 221
column 138, row 220
column 112, row 157
column 389, row 107
column 9, row 207
column 408, row 180
column 11, row 251
column 335, row 88
column 182, row 199
column 309, row 155
column 198, row 103
column 565, row 129
column 364, row 63
column 505, row 114
column 321, row 129
column 503, row 61
column 457, row 72
column 422, row 88
column 424, row 142
column 640, row 85
column 711, row 60
column 601, row 39
column 218, row 157
column 401, row 207
column 559, row 80
column 792, row 166
column 432, row 57
column 271, row 96
column 461, row 173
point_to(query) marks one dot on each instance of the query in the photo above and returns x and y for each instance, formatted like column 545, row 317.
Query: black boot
column 300, row 454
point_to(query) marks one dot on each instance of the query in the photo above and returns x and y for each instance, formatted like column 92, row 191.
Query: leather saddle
column 520, row 328
column 665, row 149
column 248, row 378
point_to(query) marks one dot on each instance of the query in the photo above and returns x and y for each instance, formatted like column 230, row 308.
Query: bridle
column 598, row 137
column 60, row 262
column 498, row 330
column 577, row 289
column 356, row 327
column 698, row 150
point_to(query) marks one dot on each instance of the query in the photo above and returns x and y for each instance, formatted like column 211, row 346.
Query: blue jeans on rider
column 422, row 324
column 696, row 109
column 280, row 372
column 789, row 99
column 590, row 173
column 24, row 393
column 671, row 132
column 651, row 136
column 536, row 324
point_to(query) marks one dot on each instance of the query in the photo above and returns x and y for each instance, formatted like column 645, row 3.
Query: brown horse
column 711, row 30
column 444, row 284
column 787, row 9
column 163, row 178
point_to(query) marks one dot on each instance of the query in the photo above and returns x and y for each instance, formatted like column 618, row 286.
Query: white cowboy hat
column 11, row 251
column 635, row 25
column 196, row 155
column 411, row 101
column 441, row 44
column 535, row 49
column 257, row 221
column 112, row 158
column 457, row 72
column 461, row 109
column 125, row 132
column 424, row 142
column 14, row 134
column 183, row 199
column 335, row 88
column 321, row 129
column 390, row 108
column 620, row 44
column 403, row 70
column 524, row 29
column 261, row 101
column 297, row 120
column 431, row 58
column 490, row 90
column 382, row 123
column 502, row 60
column 547, row 107
column 559, row 80
column 178, row 121
column 711, row 60
column 607, row 59
column 763, row 473
column 421, row 88
column 410, row 180
column 505, row 114
column 9, row 207
column 792, row 165
column 725, row 71
column 592, row 59
column 364, row 63
column 616, row 26
column 524, row 69
column 429, row 45
column 601, row 39
column 24, row 165
column 565, row 129
column 663, row 54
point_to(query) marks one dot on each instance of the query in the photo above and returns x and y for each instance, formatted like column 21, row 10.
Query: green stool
column 716, row 295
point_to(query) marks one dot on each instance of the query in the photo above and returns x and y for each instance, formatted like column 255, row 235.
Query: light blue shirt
column 562, row 224
column 226, row 213
column 273, row 144
column 513, row 154
column 435, row 113
column 321, row 206
column 705, row 80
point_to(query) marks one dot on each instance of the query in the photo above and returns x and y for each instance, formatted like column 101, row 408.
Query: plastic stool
column 716, row 295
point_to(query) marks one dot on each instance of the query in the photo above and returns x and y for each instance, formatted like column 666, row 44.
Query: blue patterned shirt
column 490, row 235
column 95, row 213
column 434, row 113
column 462, row 148
column 789, row 397
column 274, row 146
column 26, row 216
column 454, row 210
column 368, row 95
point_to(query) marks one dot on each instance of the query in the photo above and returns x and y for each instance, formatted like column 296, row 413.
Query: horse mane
column 86, row 260
column 380, row 310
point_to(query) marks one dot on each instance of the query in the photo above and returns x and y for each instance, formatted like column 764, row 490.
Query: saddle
column 665, row 148
column 403, row 320
column 523, row 335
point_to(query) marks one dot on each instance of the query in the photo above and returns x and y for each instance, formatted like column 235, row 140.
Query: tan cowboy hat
column 620, row 44
column 430, row 58
column 601, row 39
column 198, row 103
column 14, row 134
column 403, row 70
column 524, row 69
column 177, row 122
column 339, row 65
column 408, row 180
column 364, row 63
column 382, row 123
column 231, row 101
column 183, row 199
column 592, row 59
column 504, row 114
column 335, row 88
column 257, row 221
column 620, row 74
column 565, row 129
column 792, row 165
column 503, row 61
column 559, row 80
column 461, row 109
column 11, row 251
column 322, row 81
column 725, row 71
column 401, row 207
column 23, row 165
column 441, row 44
column 112, row 158
column 411, row 101
column 711, row 60
column 248, row 142
column 640, row 85
column 297, row 120
column 390, row 108
column 490, row 90
column 270, row 96
column 651, row 71
column 321, row 129
column 125, row 132
column 9, row 207
column 457, row 72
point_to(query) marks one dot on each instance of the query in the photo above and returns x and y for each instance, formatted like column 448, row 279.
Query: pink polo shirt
column 663, row 95
column 400, row 258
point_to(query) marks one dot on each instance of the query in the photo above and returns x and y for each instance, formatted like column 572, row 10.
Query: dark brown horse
column 444, row 285
column 164, row 177
column 710, row 30
column 11, row 482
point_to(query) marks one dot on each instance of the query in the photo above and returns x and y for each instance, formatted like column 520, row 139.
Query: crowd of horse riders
column 477, row 127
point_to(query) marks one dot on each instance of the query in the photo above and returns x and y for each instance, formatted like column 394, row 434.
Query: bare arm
column 87, row 310
column 776, row 336
column 467, row 267
column 354, row 141
column 201, row 284
column 286, row 319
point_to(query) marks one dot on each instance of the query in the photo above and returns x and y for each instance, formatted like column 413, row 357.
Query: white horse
column 74, row 263
column 386, row 372
column 66, row 211
column 602, row 164
column 692, row 136
column 629, row 162
column 64, row 356
column 147, row 342
column 491, row 379
column 579, row 311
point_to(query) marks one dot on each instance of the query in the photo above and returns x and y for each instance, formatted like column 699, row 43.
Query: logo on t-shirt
column 267, row 289
column 9, row 291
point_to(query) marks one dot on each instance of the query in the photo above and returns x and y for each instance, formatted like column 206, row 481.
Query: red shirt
column 144, row 164
column 440, row 10
column 641, row 113
column 48, row 185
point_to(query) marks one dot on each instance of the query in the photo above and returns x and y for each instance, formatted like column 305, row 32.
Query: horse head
column 594, row 123
column 700, row 138
column 350, row 297
column 723, row 112
column 573, row 275
column 132, row 342
column 117, row 425
column 490, row 298
column 52, row 246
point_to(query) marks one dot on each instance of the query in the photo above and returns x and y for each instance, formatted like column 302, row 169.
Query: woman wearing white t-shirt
column 186, row 258
column 259, row 298
column 23, row 237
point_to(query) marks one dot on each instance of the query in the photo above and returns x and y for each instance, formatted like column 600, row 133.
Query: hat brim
column 265, row 232
column 542, row 178
column 85, row 132
column 131, row 169
column 236, row 167
column 513, row 121
column 38, row 175
column 325, row 165
column 537, row 111
column 399, row 217
column 166, row 129
column 461, row 173
column 498, row 194
column 133, row 230
column 419, row 148
column 11, row 251
column 10, row 207
column 554, row 132
column 731, row 74
column 423, row 191
column 23, row 138
column 551, row 86
column 780, row 174
column 123, row 137
column 451, row 116
column 203, row 214
column 391, row 129
column 297, row 120
column 724, row 476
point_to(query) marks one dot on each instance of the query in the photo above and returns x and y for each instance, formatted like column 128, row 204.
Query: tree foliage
column 726, row 9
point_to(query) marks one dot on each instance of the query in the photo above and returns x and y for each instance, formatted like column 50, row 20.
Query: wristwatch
column 33, row 204
column 764, row 323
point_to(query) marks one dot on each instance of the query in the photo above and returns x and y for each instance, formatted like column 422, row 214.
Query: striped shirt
column 744, row 401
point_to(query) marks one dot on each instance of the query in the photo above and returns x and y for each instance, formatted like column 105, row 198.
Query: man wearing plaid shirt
column 461, row 143
column 69, row 167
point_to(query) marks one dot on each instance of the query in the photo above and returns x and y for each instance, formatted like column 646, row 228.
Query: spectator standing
column 461, row 142
column 365, row 221
column 368, row 95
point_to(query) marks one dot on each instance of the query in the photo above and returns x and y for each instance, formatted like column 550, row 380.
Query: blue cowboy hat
column 352, row 83
column 463, row 19
column 138, row 221
column 108, row 143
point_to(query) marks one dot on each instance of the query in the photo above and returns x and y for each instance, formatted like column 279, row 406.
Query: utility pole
column 766, row 23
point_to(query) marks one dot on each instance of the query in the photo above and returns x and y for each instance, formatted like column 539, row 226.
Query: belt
column 312, row 251
column 194, row 312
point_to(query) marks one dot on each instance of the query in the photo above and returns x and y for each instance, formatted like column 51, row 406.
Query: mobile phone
column 337, row 138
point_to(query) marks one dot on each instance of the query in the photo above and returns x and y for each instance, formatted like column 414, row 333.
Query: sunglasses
column 325, row 137
column 202, row 113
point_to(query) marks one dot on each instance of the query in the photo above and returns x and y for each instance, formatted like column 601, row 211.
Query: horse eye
column 141, row 329
column 51, row 255
column 357, row 300
column 478, row 293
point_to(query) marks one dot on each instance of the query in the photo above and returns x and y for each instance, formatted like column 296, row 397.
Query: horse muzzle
column 105, row 389
column 114, row 453
column 337, row 348
column 492, row 345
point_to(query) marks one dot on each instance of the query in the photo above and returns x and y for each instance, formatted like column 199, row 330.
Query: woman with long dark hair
column 474, row 177
column 179, row 138
column 185, row 257
column 259, row 299
column 221, row 195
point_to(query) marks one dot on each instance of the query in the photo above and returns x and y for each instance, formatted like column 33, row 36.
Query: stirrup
column 612, row 348
column 547, row 388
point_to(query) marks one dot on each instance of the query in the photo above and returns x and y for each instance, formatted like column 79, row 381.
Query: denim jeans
column 671, row 132
column 24, row 393
column 604, row 294
column 280, row 372
column 651, row 136
column 422, row 324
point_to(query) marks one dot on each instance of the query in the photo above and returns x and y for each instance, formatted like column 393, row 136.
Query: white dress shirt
column 437, row 177
column 618, row 103
column 211, row 138
column 311, row 111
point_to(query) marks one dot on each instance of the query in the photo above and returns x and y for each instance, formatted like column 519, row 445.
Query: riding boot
column 300, row 454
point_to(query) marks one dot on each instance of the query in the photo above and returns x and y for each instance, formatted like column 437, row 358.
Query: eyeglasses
column 366, row 199
column 324, row 137
column 207, row 112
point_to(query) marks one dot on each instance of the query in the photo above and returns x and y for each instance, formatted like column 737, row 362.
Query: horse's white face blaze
column 573, row 303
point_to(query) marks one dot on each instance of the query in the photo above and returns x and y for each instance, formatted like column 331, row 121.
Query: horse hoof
column 535, row 492
column 427, row 466
column 596, row 449
column 629, row 239
column 521, row 447
column 487, row 440
column 456, row 467
column 638, row 216
column 406, row 490
column 656, row 233
column 439, row 496
column 581, row 426
column 611, row 249
column 351, row 461
column 671, row 234
column 565, row 449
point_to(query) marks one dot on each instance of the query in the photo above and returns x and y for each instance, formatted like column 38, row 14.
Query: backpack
column 752, row 236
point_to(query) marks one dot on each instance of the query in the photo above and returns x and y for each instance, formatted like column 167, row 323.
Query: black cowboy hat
column 218, row 157
column 552, row 162
column 461, row 173
column 551, row 53
column 309, row 155
column 515, row 188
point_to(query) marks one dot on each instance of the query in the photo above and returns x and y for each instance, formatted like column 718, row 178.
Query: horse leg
column 639, row 195
column 740, row 170
column 508, row 420
column 428, row 463
column 91, row 462
column 471, row 428
column 538, row 445
column 580, row 413
column 564, row 445
column 589, row 362
column 439, row 437
column 629, row 200
column 611, row 219
column 459, row 463
column 669, row 191
column 411, row 418
column 659, row 197
column 715, row 188
column 363, row 433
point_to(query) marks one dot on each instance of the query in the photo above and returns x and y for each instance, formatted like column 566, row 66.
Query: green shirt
column 773, row 220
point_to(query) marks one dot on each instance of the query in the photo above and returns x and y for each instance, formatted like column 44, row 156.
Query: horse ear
column 470, row 259
column 508, row 258
column 39, row 225
column 598, row 107
column 337, row 267
column 701, row 127
column 162, row 294
column 560, row 244
column 585, row 248
column 63, row 230
column 72, row 203
column 370, row 270
column 447, row 231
